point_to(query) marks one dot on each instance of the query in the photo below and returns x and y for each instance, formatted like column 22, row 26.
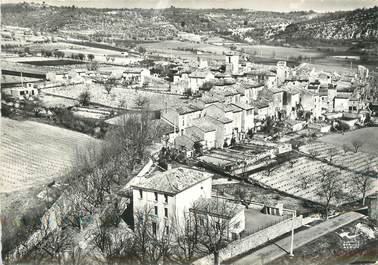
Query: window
column 166, row 198
column 154, row 228
column 22, row 93
column 237, row 225
column 166, row 229
column 141, row 194
column 166, row 212
column 156, row 196
column 156, row 210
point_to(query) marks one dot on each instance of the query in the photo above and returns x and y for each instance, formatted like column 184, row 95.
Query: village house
column 310, row 102
column 282, row 72
column 181, row 117
column 186, row 144
column 223, row 127
column 232, row 63
column 24, row 91
column 205, row 133
column 247, row 118
column 228, row 93
column 137, row 76
column 249, row 91
column 341, row 104
column 198, row 78
column 229, row 111
column 168, row 197
column 229, row 216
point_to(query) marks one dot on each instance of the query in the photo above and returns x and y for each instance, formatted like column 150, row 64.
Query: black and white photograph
column 189, row 132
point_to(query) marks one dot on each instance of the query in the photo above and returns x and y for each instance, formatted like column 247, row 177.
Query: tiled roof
column 173, row 181
column 199, row 73
column 162, row 126
column 185, row 141
column 223, row 120
column 133, row 70
column 185, row 109
column 227, row 107
column 217, row 207
column 242, row 105
column 228, row 90
column 205, row 126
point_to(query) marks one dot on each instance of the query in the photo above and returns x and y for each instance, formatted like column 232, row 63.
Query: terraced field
column 32, row 153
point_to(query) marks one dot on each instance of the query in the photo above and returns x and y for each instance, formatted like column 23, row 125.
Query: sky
column 269, row 5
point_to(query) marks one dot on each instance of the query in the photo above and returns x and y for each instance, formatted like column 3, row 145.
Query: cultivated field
column 278, row 52
column 33, row 153
column 119, row 96
column 52, row 62
column 166, row 46
column 354, row 161
column 289, row 178
column 369, row 136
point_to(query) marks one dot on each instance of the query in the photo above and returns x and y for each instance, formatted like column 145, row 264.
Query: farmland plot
column 163, row 46
column 369, row 136
column 288, row 177
column 354, row 161
column 32, row 153
column 119, row 96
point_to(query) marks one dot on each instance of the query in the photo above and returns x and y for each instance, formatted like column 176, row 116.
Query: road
column 282, row 247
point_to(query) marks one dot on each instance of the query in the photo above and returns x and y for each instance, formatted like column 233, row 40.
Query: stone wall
column 252, row 241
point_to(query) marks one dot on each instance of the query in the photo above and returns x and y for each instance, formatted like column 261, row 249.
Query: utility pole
column 292, row 235
column 22, row 81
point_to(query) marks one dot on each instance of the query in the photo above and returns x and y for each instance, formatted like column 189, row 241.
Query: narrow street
column 282, row 247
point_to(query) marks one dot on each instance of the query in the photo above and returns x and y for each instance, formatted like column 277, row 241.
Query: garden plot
column 288, row 177
column 34, row 153
column 119, row 97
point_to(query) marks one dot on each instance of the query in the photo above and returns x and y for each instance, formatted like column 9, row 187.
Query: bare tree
column 270, row 170
column 244, row 195
column 363, row 182
column 132, row 136
column 51, row 249
column 329, row 189
column 306, row 180
column 357, row 144
column 151, row 244
column 313, row 153
column 112, row 242
column 214, row 224
column 188, row 237
column 85, row 98
column 332, row 152
column 109, row 84
column 142, row 102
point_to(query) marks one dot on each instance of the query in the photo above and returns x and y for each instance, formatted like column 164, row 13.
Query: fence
column 266, row 225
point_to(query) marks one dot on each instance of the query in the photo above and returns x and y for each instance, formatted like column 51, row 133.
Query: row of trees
column 176, row 242
column 61, row 54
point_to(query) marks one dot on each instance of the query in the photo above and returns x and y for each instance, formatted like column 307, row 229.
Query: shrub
column 85, row 98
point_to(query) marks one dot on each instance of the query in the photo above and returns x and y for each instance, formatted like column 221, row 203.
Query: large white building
column 168, row 196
